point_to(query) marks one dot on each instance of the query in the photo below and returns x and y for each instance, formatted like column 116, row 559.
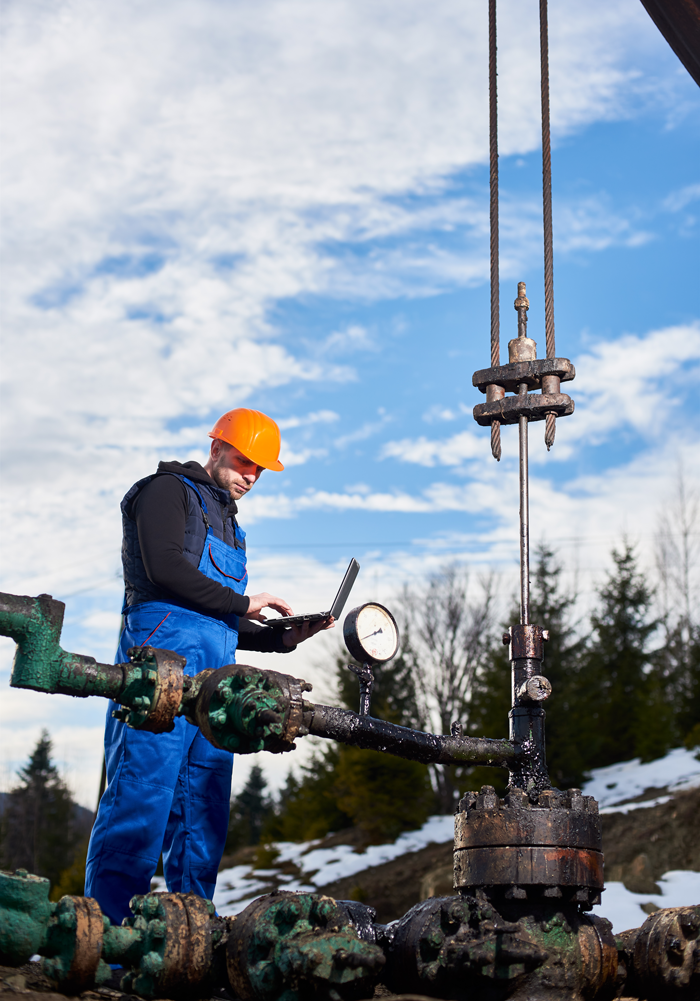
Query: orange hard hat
column 255, row 435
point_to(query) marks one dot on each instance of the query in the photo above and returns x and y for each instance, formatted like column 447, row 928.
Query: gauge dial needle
column 372, row 634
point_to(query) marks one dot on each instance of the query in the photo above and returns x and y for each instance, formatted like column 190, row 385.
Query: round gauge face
column 373, row 630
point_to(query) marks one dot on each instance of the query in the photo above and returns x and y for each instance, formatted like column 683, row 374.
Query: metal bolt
column 211, row 910
column 136, row 904
column 536, row 689
column 690, row 922
column 157, row 928
column 151, row 675
column 545, row 635
column 67, row 919
column 151, row 905
column 50, row 967
column 506, row 639
column 675, row 948
column 152, row 963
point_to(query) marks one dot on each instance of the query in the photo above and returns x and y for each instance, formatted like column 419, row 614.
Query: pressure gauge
column 370, row 633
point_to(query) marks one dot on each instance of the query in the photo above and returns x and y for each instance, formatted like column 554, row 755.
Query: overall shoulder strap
column 202, row 502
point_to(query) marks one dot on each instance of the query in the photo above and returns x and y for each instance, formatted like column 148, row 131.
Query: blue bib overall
column 167, row 792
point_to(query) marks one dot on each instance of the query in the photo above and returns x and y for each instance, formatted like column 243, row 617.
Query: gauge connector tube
column 428, row 748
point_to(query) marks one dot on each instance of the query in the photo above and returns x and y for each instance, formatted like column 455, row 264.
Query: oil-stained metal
column 662, row 958
column 551, row 844
column 299, row 945
column 366, row 678
column 378, row 735
column 245, row 709
column 468, row 949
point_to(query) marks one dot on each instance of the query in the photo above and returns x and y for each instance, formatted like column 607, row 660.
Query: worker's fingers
column 266, row 600
column 297, row 634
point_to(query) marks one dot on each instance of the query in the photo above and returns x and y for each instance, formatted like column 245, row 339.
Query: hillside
column 650, row 815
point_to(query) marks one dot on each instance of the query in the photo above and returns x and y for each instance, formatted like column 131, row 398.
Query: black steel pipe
column 428, row 748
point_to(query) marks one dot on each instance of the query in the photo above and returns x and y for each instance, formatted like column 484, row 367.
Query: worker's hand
column 297, row 634
column 265, row 600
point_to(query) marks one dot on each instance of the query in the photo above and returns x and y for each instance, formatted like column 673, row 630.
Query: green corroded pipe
column 42, row 665
column 24, row 915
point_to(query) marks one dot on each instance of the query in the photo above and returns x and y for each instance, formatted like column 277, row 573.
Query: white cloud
column 291, row 458
column 317, row 417
column 449, row 452
column 440, row 413
column 353, row 338
column 678, row 200
column 623, row 385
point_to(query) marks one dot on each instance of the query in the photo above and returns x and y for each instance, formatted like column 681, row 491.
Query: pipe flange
column 244, row 709
column 154, row 693
column 72, row 954
column 552, row 846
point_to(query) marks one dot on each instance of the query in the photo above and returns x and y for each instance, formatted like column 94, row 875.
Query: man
column 184, row 558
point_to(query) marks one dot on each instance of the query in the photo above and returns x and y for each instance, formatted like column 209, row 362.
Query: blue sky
column 285, row 205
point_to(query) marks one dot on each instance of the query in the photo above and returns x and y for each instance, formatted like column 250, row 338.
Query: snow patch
column 678, row 770
column 679, row 888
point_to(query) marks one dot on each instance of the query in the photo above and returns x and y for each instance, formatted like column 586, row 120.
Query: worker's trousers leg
column 165, row 792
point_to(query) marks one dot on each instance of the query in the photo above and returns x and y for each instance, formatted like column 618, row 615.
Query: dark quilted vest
column 137, row 587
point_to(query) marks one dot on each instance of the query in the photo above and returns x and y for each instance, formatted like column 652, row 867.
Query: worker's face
column 231, row 470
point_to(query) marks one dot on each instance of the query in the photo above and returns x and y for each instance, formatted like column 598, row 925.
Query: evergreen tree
column 308, row 807
column 346, row 786
column 249, row 810
column 624, row 713
column 554, row 608
column 39, row 832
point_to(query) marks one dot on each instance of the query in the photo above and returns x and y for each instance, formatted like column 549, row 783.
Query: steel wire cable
column 493, row 208
column 550, row 420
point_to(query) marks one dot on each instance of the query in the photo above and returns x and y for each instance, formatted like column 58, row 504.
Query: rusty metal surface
column 528, row 866
column 167, row 695
column 551, row 840
column 522, row 349
column 534, row 406
column 666, row 956
column 527, row 641
column 528, row 827
column 297, row 946
column 468, row 949
column 599, row 955
column 174, row 952
column 532, row 372
column 73, row 947
column 246, row 709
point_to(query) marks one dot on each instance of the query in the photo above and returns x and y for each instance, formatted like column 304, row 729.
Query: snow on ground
column 235, row 888
column 612, row 787
column 679, row 888
column 678, row 770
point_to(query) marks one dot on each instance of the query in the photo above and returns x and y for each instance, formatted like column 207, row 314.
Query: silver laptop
column 335, row 610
